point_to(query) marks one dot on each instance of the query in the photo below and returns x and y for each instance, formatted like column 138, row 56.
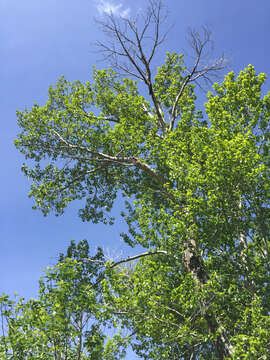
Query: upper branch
column 202, row 67
column 128, row 51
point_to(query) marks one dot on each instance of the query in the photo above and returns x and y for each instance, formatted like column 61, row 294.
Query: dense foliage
column 198, row 194
column 68, row 320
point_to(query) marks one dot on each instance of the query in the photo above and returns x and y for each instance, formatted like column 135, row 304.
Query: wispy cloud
column 109, row 7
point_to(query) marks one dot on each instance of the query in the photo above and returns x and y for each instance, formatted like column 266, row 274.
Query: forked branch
column 68, row 150
column 132, row 47
column 203, row 67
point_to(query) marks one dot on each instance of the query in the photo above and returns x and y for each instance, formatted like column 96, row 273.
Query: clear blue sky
column 41, row 40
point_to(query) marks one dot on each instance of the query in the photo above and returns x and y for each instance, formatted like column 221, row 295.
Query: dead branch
column 128, row 51
column 203, row 67
column 132, row 48
column 131, row 258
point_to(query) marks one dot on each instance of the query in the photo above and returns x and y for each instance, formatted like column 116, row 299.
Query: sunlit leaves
column 66, row 320
column 198, row 190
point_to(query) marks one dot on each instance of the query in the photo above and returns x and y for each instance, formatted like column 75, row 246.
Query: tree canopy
column 196, row 184
column 67, row 319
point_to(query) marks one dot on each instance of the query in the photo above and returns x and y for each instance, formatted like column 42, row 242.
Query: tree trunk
column 194, row 264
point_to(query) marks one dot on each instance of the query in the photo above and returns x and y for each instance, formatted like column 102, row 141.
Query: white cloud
column 108, row 7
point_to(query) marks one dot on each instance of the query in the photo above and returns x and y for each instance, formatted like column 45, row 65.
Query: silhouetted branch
column 128, row 53
column 202, row 67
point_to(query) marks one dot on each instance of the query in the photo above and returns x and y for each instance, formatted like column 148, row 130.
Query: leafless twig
column 133, row 45
column 128, row 51
column 202, row 67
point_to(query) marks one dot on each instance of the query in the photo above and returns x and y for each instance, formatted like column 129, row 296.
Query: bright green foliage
column 65, row 321
column 197, row 189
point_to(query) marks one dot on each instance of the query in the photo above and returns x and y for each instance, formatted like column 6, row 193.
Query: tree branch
column 132, row 48
column 123, row 161
column 131, row 258
column 199, row 44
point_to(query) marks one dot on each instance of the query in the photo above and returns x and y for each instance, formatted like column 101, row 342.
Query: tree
column 66, row 321
column 196, row 189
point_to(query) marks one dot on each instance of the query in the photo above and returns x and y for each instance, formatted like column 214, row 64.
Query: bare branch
column 202, row 67
column 130, row 43
column 203, row 48
column 131, row 258
column 128, row 48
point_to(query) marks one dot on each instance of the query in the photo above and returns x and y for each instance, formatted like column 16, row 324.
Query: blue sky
column 42, row 40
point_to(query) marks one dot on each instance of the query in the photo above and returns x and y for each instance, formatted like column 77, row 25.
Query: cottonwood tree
column 196, row 189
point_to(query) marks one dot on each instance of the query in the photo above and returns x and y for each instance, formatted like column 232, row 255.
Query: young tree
column 197, row 190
